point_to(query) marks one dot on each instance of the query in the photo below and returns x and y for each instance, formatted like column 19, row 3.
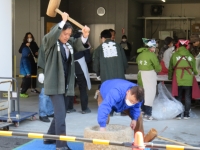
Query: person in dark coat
column 126, row 46
column 25, row 70
column 194, row 45
column 109, row 60
column 29, row 42
column 81, row 58
column 59, row 73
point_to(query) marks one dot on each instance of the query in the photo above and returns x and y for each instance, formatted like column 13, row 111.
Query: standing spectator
column 168, row 42
column 45, row 104
column 194, row 45
column 126, row 46
column 182, row 69
column 25, row 69
column 29, row 41
column 195, row 50
column 81, row 59
column 113, row 33
column 59, row 73
column 148, row 65
column 165, row 54
column 109, row 60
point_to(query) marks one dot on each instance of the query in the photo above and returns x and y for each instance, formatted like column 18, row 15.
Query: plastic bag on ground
column 165, row 106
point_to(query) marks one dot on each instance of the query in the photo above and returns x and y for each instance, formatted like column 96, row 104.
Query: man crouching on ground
column 121, row 96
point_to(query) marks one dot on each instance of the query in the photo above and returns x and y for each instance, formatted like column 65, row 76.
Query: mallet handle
column 70, row 19
column 173, row 141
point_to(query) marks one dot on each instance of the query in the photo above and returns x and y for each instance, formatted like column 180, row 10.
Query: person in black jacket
column 126, row 46
column 29, row 41
column 81, row 59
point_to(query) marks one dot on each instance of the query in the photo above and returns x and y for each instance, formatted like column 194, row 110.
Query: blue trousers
column 45, row 105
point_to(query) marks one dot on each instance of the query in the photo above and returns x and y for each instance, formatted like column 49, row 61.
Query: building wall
column 85, row 12
column 123, row 14
column 135, row 26
column 6, row 42
column 172, row 10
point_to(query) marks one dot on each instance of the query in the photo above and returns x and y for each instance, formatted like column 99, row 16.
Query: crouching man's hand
column 102, row 129
column 133, row 124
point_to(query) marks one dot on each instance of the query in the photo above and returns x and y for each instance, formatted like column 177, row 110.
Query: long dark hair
column 26, row 36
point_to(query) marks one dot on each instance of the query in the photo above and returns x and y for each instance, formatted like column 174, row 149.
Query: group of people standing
column 178, row 62
column 62, row 58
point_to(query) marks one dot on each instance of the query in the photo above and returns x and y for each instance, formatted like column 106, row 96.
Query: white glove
column 98, row 78
column 41, row 78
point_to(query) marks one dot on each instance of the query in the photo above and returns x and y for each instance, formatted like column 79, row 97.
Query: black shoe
column 45, row 141
column 86, row 111
column 44, row 119
column 35, row 91
column 51, row 116
column 178, row 117
column 186, row 116
column 63, row 148
column 71, row 110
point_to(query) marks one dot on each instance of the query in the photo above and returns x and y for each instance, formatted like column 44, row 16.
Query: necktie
column 66, row 51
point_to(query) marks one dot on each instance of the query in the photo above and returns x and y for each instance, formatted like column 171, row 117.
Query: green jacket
column 54, row 81
column 110, row 61
column 187, row 78
column 147, row 60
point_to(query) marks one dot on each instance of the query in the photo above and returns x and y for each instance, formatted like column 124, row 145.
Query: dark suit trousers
column 82, row 84
column 58, row 126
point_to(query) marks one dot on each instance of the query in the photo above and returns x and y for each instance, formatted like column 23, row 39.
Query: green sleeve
column 51, row 38
column 194, row 66
column 41, row 57
column 156, row 63
column 170, row 69
column 40, row 70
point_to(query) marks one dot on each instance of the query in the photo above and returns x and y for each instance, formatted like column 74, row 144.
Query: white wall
column 26, row 19
column 5, row 41
column 173, row 10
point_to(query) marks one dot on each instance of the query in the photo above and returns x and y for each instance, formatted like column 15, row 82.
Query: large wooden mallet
column 52, row 10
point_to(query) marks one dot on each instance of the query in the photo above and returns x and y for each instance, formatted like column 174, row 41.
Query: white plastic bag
column 165, row 106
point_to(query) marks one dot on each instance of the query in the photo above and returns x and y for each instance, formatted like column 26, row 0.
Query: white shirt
column 167, row 56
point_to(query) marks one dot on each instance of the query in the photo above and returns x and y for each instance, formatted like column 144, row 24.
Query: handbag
column 35, row 59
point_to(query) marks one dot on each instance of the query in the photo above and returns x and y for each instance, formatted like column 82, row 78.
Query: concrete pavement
column 186, row 131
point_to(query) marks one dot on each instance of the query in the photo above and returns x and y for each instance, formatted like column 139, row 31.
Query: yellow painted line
column 97, row 141
column 35, row 135
column 173, row 147
column 67, row 138
column 21, row 76
column 5, row 133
